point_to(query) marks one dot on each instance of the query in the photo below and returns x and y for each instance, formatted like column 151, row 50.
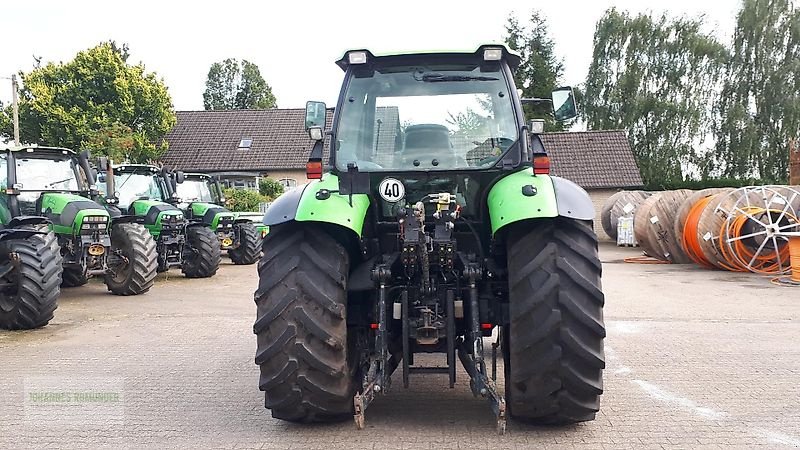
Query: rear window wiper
column 437, row 77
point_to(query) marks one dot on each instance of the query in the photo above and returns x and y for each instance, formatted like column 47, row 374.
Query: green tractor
column 200, row 198
column 58, row 184
column 30, row 259
column 435, row 223
column 148, row 192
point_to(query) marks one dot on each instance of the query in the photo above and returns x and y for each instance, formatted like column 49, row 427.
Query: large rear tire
column 553, row 347
column 31, row 299
column 306, row 370
column 248, row 250
column 74, row 278
column 133, row 260
column 201, row 253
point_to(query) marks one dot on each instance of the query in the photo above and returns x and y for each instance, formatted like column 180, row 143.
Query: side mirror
column 316, row 115
column 564, row 107
column 179, row 176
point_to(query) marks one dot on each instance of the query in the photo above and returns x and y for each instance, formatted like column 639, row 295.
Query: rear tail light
column 541, row 164
column 314, row 170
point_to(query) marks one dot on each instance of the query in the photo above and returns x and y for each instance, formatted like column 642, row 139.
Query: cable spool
column 654, row 226
column 741, row 230
column 621, row 204
column 686, row 222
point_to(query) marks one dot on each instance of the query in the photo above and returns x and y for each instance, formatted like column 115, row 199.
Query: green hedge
column 243, row 200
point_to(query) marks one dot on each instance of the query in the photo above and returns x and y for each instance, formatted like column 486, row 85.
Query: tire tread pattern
column 554, row 347
column 40, row 273
column 248, row 252
column 202, row 253
column 140, row 247
column 300, row 326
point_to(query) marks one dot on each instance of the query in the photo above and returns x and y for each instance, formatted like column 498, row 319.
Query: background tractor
column 30, row 260
column 148, row 192
column 58, row 184
column 200, row 197
column 435, row 223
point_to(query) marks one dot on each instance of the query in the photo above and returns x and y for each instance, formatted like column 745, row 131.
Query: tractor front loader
column 433, row 222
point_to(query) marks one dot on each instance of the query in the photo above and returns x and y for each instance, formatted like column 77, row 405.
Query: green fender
column 522, row 196
column 301, row 204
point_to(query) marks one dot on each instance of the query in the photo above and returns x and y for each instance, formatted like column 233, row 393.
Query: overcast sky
column 295, row 43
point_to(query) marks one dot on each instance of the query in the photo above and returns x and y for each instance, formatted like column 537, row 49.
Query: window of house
column 245, row 143
column 288, row 183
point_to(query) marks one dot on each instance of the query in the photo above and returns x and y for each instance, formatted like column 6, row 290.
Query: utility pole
column 15, row 107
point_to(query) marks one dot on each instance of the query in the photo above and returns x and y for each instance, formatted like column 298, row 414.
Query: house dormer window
column 245, row 143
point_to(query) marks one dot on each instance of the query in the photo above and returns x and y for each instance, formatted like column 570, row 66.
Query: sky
column 295, row 43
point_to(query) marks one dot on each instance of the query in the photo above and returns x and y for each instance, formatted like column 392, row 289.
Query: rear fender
column 316, row 202
column 522, row 196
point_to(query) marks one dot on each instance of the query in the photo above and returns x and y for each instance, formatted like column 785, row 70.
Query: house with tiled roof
column 242, row 146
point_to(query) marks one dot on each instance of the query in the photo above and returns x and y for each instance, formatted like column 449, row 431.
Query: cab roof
column 512, row 58
column 33, row 147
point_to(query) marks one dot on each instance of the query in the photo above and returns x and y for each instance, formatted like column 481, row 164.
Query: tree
column 656, row 78
column 231, row 85
column 759, row 109
column 540, row 70
column 95, row 101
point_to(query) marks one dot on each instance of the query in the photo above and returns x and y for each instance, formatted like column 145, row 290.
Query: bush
column 243, row 200
column 270, row 188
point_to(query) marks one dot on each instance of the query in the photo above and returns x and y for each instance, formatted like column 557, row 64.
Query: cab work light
column 357, row 57
column 492, row 54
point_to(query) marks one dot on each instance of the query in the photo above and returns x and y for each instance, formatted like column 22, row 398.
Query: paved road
column 695, row 359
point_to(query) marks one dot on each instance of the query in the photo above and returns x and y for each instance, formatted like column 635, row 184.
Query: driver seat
column 426, row 138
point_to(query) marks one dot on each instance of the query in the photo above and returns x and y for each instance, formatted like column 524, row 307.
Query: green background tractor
column 30, row 260
column 425, row 234
column 200, row 199
column 148, row 192
column 59, row 184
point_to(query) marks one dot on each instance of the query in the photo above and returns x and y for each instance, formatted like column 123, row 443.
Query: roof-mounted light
column 357, row 57
column 537, row 126
column 492, row 54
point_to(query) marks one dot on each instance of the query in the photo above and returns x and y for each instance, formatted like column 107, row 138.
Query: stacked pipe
column 745, row 229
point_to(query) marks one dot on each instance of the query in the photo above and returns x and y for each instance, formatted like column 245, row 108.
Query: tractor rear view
column 200, row 199
column 423, row 233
